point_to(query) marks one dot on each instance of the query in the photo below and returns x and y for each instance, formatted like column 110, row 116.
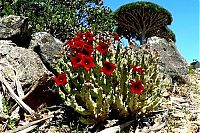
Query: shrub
column 99, row 76
column 61, row 18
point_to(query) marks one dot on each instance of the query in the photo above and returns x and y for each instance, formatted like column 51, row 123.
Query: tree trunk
column 143, row 39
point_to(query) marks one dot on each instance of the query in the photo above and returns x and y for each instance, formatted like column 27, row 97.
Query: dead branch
column 116, row 129
column 35, row 85
column 30, row 126
column 32, row 89
column 14, row 96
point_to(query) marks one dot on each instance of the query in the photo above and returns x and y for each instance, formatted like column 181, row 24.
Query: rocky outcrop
column 17, row 29
column 31, row 55
column 25, row 62
column 46, row 46
column 171, row 61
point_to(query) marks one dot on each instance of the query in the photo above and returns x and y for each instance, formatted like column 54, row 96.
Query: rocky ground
column 180, row 110
column 178, row 113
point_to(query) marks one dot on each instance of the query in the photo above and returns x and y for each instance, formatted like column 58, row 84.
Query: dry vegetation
column 179, row 112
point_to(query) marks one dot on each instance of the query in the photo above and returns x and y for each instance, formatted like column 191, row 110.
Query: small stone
column 180, row 100
column 165, row 94
column 178, row 115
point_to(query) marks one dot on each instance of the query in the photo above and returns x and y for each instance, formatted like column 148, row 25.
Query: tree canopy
column 61, row 18
column 163, row 32
column 142, row 20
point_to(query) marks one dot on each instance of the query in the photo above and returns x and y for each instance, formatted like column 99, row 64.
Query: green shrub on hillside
column 61, row 18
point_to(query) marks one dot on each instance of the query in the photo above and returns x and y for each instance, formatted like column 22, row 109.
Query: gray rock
column 171, row 61
column 15, row 28
column 26, row 62
column 45, row 45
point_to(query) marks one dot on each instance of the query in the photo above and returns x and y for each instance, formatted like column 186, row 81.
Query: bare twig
column 116, row 128
column 14, row 96
column 159, row 127
column 29, row 126
column 16, row 80
column 18, row 85
column 28, row 129
column 41, row 81
column 111, row 130
column 32, row 89
column 1, row 103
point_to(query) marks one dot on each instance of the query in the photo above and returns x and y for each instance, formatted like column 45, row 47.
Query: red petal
column 74, row 59
column 136, row 87
column 108, row 68
column 87, row 62
column 60, row 79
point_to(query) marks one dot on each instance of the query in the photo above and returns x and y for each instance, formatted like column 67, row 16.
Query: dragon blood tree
column 98, row 76
column 142, row 20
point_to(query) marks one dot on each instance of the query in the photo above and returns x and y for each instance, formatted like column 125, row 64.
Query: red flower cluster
column 82, row 50
column 138, row 69
column 81, row 60
column 60, row 79
column 87, row 36
column 136, row 87
column 78, row 44
column 82, row 47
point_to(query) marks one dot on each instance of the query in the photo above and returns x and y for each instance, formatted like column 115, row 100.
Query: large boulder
column 15, row 28
column 171, row 61
column 26, row 62
column 28, row 57
column 46, row 46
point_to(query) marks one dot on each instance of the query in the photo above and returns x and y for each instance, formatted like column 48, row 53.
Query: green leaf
column 38, row 27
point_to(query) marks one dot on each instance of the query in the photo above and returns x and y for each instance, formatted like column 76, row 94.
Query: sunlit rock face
column 171, row 61
column 26, row 63
column 30, row 54
column 46, row 46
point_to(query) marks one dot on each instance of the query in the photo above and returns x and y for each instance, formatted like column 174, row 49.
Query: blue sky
column 185, row 23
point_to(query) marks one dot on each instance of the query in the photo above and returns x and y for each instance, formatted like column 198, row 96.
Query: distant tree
column 195, row 64
column 141, row 20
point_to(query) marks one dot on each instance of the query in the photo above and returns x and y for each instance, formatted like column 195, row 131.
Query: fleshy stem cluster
column 100, row 76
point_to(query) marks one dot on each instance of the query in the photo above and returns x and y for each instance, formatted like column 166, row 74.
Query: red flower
column 116, row 37
column 70, row 41
column 76, row 60
column 136, row 87
column 61, row 79
column 80, row 35
column 78, row 44
column 140, row 70
column 137, row 69
column 87, row 50
column 89, row 36
column 102, row 47
column 108, row 68
column 134, row 67
column 87, row 62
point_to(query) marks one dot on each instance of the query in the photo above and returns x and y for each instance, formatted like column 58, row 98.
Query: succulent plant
column 98, row 76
